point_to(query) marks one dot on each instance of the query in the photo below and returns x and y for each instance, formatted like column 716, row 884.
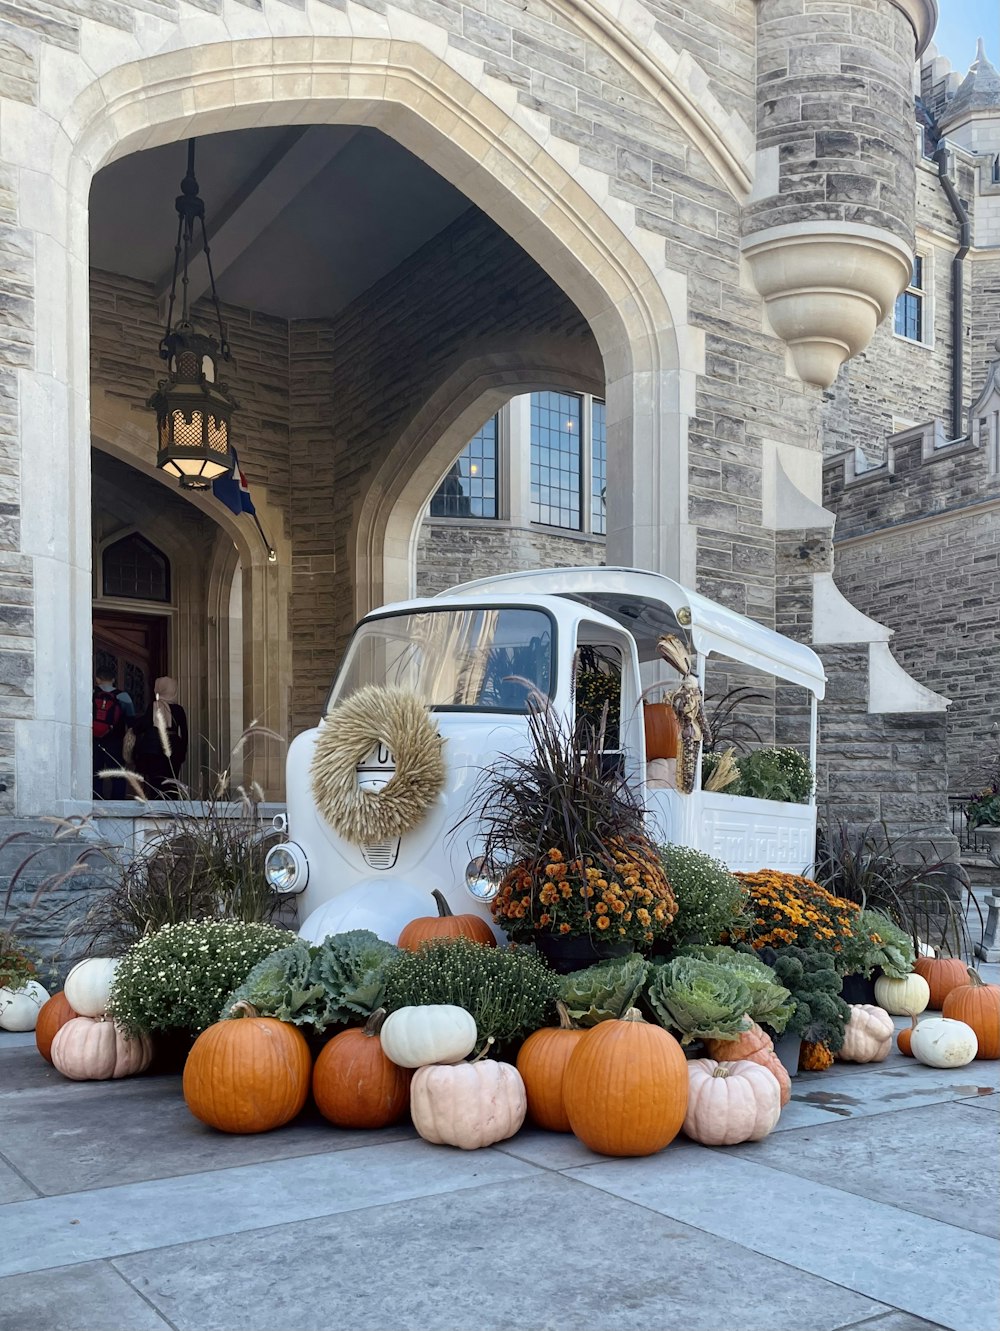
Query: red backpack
column 107, row 713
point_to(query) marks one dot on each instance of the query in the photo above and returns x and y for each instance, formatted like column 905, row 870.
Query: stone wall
column 918, row 549
column 450, row 552
column 895, row 381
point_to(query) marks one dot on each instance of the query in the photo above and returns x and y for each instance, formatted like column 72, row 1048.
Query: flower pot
column 574, row 952
column 787, row 1048
column 170, row 1051
column 991, row 835
column 856, row 989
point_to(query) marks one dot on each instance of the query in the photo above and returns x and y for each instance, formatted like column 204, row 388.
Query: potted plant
column 579, row 877
column 878, row 946
column 820, row 1016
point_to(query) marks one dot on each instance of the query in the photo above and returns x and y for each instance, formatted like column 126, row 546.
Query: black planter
column 788, row 1048
column 170, row 1051
column 856, row 989
column 565, row 953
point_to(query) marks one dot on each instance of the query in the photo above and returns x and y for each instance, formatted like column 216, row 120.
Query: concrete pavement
column 873, row 1205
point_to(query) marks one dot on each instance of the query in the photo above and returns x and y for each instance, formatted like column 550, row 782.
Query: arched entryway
column 471, row 140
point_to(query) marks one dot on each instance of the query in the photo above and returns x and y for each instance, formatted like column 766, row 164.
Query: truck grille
column 381, row 854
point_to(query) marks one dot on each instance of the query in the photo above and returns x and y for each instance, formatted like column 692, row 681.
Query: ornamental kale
column 820, row 1015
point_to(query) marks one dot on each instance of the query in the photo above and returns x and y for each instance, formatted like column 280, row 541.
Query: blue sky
column 961, row 22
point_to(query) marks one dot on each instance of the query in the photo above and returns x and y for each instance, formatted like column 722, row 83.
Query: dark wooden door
column 133, row 646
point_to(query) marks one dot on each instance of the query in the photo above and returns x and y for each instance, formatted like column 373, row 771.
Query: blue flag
column 233, row 490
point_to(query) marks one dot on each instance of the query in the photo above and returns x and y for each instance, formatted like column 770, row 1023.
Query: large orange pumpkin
column 975, row 1003
column 355, row 1085
column 542, row 1064
column 753, row 1046
column 54, row 1015
column 662, row 730
column 943, row 974
column 625, row 1088
column 247, row 1075
column 445, row 925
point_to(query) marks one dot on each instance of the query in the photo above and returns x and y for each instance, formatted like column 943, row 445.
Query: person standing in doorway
column 109, row 731
column 161, row 741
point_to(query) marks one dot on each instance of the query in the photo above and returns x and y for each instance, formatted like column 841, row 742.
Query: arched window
column 134, row 568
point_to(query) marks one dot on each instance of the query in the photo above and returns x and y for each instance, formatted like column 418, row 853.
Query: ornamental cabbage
column 605, row 991
column 701, row 1000
column 341, row 979
column 770, row 1004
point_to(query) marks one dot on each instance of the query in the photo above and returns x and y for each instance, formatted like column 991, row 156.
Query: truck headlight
column 286, row 868
column 481, row 879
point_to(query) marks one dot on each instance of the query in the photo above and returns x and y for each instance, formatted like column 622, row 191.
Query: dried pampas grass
column 377, row 715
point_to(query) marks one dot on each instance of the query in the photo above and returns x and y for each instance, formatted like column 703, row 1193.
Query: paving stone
column 894, row 1321
column 878, row 1250
column 874, row 1157
column 106, row 1222
column 983, row 1102
column 12, row 1186
column 75, row 1298
column 111, row 1125
column 542, row 1252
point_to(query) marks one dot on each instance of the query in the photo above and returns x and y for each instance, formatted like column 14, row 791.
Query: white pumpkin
column 91, row 1049
column 88, row 986
column 903, row 998
column 868, row 1036
column 730, row 1103
column 468, row 1105
column 19, row 1008
column 413, row 1037
column 941, row 1042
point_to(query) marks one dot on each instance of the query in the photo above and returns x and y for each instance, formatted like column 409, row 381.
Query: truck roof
column 649, row 605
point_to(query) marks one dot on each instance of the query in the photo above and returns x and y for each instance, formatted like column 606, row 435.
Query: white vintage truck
column 473, row 656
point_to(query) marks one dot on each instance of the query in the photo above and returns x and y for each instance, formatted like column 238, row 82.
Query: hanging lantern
column 193, row 405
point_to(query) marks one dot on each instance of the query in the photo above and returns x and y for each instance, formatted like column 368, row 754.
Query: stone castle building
column 688, row 221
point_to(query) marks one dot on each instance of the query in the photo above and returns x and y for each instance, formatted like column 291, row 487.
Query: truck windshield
column 486, row 659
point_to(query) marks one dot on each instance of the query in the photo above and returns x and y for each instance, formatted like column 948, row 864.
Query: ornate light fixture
column 193, row 406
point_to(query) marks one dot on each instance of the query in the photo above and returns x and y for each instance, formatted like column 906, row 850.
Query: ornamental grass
column 566, row 831
column 786, row 909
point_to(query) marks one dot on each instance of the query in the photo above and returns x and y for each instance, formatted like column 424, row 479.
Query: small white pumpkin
column 413, row 1037
column 730, row 1103
column 868, row 1036
column 903, row 998
column 19, row 1008
column 88, row 985
column 91, row 1049
column 468, row 1105
column 942, row 1042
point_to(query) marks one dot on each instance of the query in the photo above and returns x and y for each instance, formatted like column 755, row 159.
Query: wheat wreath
column 376, row 715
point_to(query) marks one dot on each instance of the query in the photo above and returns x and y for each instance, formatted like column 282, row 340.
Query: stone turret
column 829, row 226
column 977, row 100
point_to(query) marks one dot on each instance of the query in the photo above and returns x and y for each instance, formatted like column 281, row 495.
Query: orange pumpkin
column 753, row 1046
column 355, row 1085
column 943, row 974
column 625, row 1088
column 814, row 1057
column 904, row 1037
column 975, row 1003
column 54, row 1015
column 445, row 925
column 662, row 730
column 542, row 1064
column 247, row 1075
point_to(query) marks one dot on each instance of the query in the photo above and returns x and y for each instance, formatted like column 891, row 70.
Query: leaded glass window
column 555, row 459
column 470, row 488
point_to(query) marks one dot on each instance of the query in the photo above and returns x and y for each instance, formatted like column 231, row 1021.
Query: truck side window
column 598, row 684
